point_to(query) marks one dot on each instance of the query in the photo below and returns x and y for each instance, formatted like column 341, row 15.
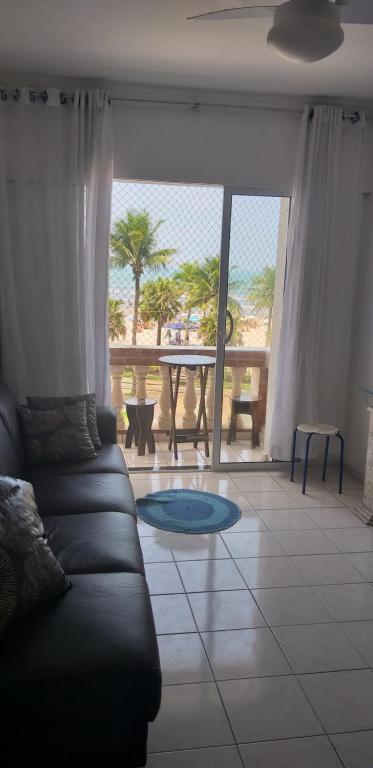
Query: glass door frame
column 216, row 464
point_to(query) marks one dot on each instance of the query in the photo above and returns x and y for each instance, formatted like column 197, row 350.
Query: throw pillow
column 29, row 572
column 10, row 485
column 60, row 434
column 50, row 403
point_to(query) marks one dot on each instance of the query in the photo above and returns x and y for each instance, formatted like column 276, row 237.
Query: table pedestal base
column 194, row 365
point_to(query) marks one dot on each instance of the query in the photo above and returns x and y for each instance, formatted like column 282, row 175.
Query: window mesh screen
column 165, row 249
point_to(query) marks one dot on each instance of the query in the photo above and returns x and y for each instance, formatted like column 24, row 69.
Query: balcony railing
column 140, row 359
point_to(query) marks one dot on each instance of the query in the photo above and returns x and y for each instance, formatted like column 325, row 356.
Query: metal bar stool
column 326, row 430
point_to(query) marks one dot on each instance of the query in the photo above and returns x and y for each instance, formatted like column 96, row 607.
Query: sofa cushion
column 87, row 668
column 78, row 494
column 92, row 650
column 60, row 434
column 104, row 542
column 29, row 572
column 9, row 485
column 49, row 403
column 109, row 459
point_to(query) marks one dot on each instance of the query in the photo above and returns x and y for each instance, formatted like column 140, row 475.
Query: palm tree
column 134, row 244
column 160, row 301
column 200, row 284
column 186, row 278
column 117, row 325
column 262, row 295
column 200, row 281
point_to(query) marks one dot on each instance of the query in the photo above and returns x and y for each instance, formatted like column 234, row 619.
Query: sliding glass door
column 253, row 258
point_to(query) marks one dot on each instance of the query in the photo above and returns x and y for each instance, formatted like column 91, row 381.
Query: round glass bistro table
column 202, row 364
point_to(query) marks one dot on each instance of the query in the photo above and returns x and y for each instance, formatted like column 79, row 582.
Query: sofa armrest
column 107, row 424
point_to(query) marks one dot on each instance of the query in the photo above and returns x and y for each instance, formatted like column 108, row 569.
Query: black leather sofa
column 80, row 677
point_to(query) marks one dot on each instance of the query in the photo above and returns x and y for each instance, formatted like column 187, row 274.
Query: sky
column 192, row 223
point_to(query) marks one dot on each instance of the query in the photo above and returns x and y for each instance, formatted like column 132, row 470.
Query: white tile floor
column 265, row 630
column 239, row 451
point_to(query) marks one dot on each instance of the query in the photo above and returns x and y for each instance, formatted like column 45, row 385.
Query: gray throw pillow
column 9, row 485
column 29, row 572
column 60, row 434
column 50, row 403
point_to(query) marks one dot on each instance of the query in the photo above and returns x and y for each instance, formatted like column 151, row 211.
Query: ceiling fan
column 303, row 30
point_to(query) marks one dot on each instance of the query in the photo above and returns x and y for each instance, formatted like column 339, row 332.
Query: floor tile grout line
column 311, row 705
column 341, row 627
column 212, row 672
column 353, row 584
column 313, row 587
column 290, row 674
column 272, row 741
column 197, row 749
column 343, row 764
column 307, row 585
column 332, row 554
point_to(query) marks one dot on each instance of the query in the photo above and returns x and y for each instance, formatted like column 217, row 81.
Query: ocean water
column 121, row 285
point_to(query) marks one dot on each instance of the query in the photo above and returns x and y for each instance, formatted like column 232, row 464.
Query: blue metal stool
column 317, row 429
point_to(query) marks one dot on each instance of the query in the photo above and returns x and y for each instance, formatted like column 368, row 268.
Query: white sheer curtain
column 315, row 337
column 55, row 197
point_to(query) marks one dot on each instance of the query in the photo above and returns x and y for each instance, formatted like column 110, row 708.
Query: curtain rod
column 42, row 95
column 196, row 105
column 33, row 94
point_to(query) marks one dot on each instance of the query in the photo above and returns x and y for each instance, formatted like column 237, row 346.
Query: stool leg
column 132, row 431
column 129, row 436
column 255, row 430
column 306, row 463
column 293, row 455
column 151, row 442
column 341, row 462
column 145, row 415
column 231, row 430
column 142, row 444
column 136, row 432
column 204, row 376
column 150, row 437
column 325, row 458
column 142, row 422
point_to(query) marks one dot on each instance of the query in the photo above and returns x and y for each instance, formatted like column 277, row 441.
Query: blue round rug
column 184, row 511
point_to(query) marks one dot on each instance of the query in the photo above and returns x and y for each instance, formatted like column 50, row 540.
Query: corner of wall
column 361, row 362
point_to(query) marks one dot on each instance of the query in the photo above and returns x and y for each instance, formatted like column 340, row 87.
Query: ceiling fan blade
column 246, row 12
column 356, row 11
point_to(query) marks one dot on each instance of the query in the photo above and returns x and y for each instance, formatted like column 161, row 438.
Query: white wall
column 361, row 368
column 251, row 149
column 210, row 145
column 361, row 363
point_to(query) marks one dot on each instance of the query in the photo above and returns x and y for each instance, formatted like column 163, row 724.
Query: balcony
column 135, row 370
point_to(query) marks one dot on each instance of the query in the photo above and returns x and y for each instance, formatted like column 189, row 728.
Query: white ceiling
column 150, row 41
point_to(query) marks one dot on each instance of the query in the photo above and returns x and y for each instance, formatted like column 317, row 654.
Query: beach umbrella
column 176, row 326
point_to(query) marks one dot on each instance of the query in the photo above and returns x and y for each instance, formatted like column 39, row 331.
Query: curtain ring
column 42, row 95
